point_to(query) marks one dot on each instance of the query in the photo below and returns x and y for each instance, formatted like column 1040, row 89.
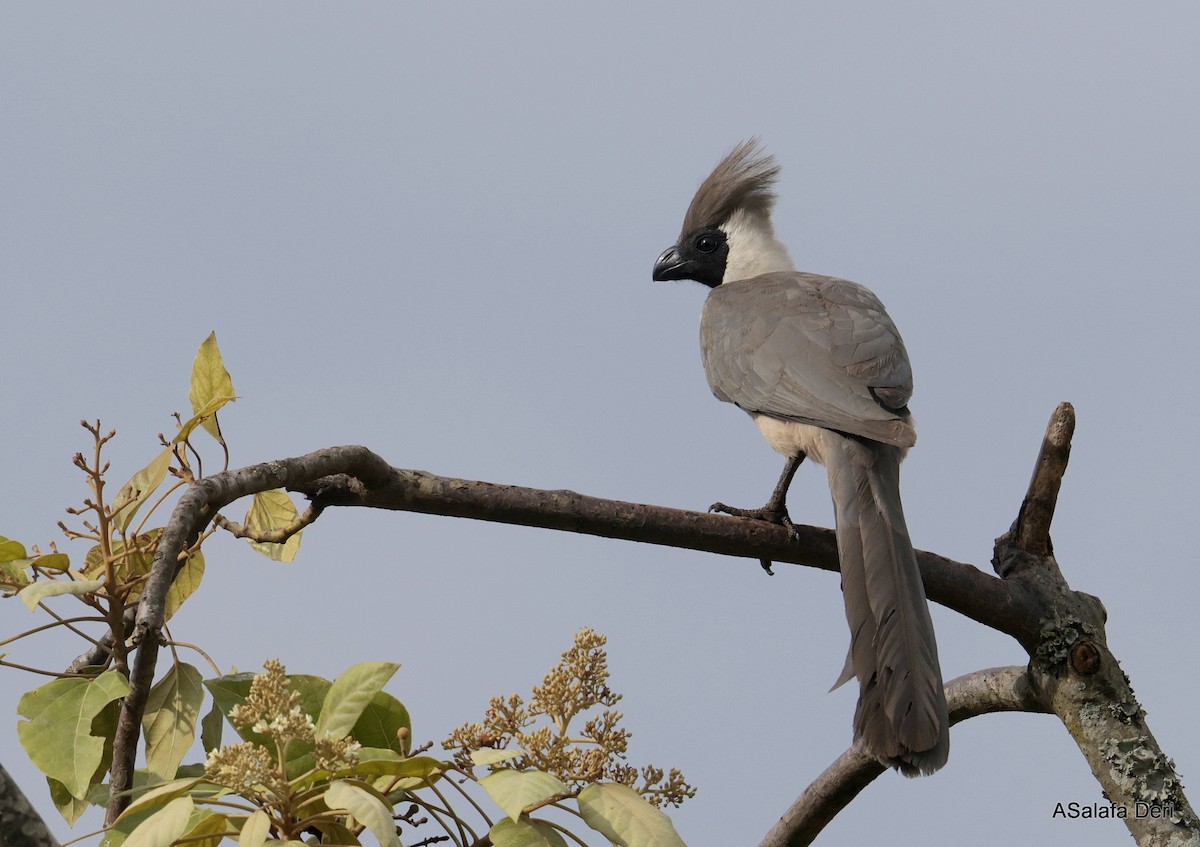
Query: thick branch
column 963, row 588
column 979, row 693
column 20, row 824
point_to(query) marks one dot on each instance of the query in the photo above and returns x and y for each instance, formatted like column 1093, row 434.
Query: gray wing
column 809, row 348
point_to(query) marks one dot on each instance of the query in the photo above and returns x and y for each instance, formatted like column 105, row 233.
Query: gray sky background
column 430, row 230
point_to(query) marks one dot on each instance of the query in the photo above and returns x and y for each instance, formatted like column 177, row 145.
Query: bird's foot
column 771, row 513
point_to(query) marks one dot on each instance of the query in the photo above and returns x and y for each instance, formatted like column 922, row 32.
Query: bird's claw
column 770, row 513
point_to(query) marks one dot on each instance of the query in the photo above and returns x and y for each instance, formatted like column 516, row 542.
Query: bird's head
column 727, row 232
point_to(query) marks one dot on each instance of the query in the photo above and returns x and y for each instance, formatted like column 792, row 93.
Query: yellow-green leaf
column 186, row 582
column 513, row 790
column 204, row 822
column 35, row 592
column 57, row 736
column 13, row 576
column 525, row 833
column 349, row 696
column 163, row 827
column 129, row 561
column 206, row 412
column 160, row 795
column 376, row 762
column 11, row 550
column 273, row 510
column 53, row 562
column 136, row 560
column 139, row 488
column 490, row 755
column 211, row 384
column 367, row 809
column 620, row 814
column 169, row 723
column 255, row 830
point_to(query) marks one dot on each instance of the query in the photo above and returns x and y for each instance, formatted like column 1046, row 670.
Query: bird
column 821, row 368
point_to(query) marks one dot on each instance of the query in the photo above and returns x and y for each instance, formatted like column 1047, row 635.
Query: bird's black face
column 700, row 255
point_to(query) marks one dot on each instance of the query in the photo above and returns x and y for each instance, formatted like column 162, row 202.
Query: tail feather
column 901, row 718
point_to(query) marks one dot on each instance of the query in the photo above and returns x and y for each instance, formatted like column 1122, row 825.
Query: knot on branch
column 1059, row 637
column 1008, row 559
column 1085, row 657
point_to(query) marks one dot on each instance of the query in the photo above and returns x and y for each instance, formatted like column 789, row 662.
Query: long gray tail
column 901, row 717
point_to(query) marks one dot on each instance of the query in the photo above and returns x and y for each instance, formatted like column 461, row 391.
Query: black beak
column 671, row 266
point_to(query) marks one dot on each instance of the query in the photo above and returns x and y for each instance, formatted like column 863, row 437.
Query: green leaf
column 169, row 723
column 11, row 550
column 139, row 488
column 525, row 833
column 273, row 510
column 490, row 755
column 514, row 790
column 255, row 830
column 350, row 695
column 58, row 735
column 163, row 827
column 211, row 727
column 620, row 814
column 367, row 809
column 36, row 592
column 211, row 387
column 379, row 723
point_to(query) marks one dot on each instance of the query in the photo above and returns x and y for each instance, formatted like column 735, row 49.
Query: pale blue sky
column 430, row 230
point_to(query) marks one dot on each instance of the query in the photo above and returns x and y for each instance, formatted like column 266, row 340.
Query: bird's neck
column 753, row 248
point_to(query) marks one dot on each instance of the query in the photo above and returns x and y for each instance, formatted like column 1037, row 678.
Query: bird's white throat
column 753, row 248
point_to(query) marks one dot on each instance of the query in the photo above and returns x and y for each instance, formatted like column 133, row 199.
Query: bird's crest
column 744, row 179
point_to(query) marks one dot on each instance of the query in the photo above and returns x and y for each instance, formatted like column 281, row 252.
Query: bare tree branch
column 980, row 693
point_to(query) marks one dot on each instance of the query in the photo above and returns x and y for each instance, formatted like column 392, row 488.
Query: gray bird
column 821, row 368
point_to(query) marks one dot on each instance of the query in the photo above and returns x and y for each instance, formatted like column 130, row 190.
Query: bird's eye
column 706, row 243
